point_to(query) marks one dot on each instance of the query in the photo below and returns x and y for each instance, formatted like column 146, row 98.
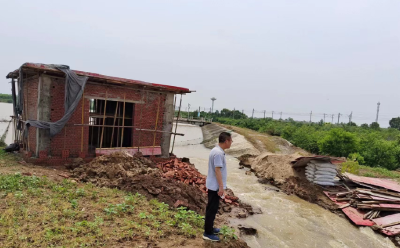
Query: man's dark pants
column 211, row 211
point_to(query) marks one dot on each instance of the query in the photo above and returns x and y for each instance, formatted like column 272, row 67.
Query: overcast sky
column 293, row 56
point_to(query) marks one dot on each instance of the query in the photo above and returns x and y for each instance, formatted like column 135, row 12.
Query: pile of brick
column 188, row 174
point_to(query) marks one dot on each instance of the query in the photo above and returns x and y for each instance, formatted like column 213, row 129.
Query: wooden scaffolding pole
column 123, row 123
column 141, row 113
column 115, row 117
column 155, row 129
column 83, row 118
column 118, row 132
column 176, row 125
column 104, row 120
column 97, row 120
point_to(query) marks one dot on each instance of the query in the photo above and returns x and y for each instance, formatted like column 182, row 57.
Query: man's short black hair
column 224, row 136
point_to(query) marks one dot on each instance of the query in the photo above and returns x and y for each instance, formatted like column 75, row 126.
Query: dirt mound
column 188, row 174
column 139, row 174
column 273, row 166
column 306, row 191
column 277, row 170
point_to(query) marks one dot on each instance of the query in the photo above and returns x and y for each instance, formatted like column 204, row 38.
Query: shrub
column 351, row 167
column 381, row 153
column 339, row 143
column 307, row 138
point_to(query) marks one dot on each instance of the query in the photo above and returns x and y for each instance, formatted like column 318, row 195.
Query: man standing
column 216, row 183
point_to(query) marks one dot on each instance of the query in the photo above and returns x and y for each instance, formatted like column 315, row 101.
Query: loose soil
column 139, row 174
column 133, row 174
column 278, row 171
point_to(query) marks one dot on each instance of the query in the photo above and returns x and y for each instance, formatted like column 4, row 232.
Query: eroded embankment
column 270, row 167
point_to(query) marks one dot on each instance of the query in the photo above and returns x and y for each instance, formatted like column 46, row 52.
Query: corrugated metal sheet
column 357, row 216
column 302, row 161
column 390, row 230
column 384, row 183
column 44, row 67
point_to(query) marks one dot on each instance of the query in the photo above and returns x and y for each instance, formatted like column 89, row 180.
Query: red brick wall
column 30, row 105
column 145, row 118
column 70, row 137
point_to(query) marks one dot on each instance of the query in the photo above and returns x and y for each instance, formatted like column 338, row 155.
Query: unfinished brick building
column 113, row 114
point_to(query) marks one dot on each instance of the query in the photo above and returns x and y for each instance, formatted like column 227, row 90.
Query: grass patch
column 255, row 138
column 7, row 159
column 378, row 172
column 37, row 212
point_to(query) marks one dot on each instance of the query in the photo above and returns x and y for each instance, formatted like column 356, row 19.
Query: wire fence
column 311, row 116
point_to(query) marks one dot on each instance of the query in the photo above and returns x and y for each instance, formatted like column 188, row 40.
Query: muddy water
column 6, row 111
column 287, row 221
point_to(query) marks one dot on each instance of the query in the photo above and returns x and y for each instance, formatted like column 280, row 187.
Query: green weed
column 228, row 233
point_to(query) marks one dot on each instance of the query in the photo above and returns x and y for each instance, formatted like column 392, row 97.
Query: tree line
column 369, row 144
column 6, row 98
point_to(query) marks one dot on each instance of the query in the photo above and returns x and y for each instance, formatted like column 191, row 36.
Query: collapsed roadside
column 276, row 168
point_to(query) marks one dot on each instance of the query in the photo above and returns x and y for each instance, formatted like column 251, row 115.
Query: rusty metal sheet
column 387, row 219
column 40, row 66
column 390, row 230
column 384, row 183
column 302, row 161
column 357, row 216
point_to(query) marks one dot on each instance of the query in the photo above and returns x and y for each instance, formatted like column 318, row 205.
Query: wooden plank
column 176, row 125
column 83, row 113
column 158, row 111
column 115, row 117
column 114, row 99
column 379, row 195
column 394, row 206
column 345, row 205
column 104, row 118
column 146, row 151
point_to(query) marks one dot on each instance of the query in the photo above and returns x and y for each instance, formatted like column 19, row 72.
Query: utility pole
column 252, row 115
column 332, row 118
column 324, row 117
column 198, row 115
column 212, row 108
column 264, row 113
column 350, row 116
column 310, row 116
column 338, row 118
column 377, row 112
column 188, row 111
column 272, row 114
column 281, row 116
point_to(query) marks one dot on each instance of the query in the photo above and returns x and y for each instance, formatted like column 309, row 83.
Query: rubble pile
column 188, row 174
column 369, row 202
column 110, row 170
column 139, row 174
column 174, row 182
column 372, row 200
